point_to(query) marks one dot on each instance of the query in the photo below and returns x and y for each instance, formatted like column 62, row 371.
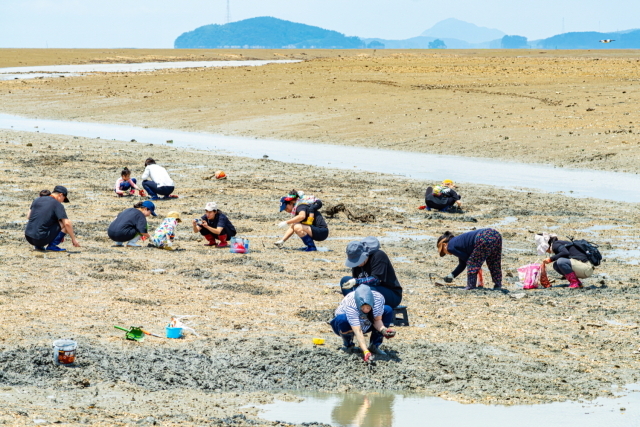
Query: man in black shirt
column 48, row 223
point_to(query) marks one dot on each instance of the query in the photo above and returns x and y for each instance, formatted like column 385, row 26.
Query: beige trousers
column 582, row 269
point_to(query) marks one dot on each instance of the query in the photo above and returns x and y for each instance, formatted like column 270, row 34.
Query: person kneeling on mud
column 473, row 249
column 568, row 261
column 163, row 236
column 307, row 223
column 213, row 225
column 131, row 224
column 371, row 266
column 443, row 197
column 358, row 312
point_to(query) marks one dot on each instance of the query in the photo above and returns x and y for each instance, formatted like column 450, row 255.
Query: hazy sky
column 157, row 23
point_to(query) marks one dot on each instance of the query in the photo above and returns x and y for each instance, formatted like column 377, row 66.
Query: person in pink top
column 127, row 186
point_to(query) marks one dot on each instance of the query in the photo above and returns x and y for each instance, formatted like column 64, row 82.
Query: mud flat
column 256, row 313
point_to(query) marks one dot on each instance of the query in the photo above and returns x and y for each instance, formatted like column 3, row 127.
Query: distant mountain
column 267, row 33
column 455, row 29
column 591, row 40
column 422, row 42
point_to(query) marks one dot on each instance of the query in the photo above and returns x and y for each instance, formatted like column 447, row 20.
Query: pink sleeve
column 118, row 182
column 132, row 184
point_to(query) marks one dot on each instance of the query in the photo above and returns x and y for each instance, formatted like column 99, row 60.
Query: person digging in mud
column 443, row 197
column 568, row 261
column 47, row 223
column 127, row 186
column 307, row 222
column 156, row 181
column 358, row 312
column 372, row 267
column 163, row 236
column 213, row 225
column 131, row 224
column 473, row 249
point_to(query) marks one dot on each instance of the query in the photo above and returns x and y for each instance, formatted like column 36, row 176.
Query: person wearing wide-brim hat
column 47, row 222
column 360, row 311
column 131, row 224
column 473, row 249
column 163, row 236
column 213, row 225
column 371, row 266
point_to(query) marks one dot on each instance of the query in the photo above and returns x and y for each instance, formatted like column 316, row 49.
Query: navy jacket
column 462, row 246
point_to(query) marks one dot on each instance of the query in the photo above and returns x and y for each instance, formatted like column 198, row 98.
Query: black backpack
column 589, row 249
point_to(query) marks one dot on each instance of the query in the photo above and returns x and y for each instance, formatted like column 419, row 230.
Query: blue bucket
column 174, row 332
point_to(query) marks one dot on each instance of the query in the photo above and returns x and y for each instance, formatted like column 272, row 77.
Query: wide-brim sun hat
column 174, row 214
column 356, row 254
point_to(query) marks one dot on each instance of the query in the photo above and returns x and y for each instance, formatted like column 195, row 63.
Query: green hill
column 267, row 33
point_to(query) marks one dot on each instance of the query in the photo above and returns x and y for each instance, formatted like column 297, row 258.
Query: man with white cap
column 213, row 225
column 371, row 266
column 359, row 312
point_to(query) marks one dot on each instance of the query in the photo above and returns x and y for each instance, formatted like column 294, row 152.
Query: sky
column 157, row 23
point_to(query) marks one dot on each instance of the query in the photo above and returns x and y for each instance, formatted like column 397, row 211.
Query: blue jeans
column 342, row 328
column 391, row 298
column 153, row 190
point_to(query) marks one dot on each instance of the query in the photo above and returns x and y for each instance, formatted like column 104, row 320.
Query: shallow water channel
column 72, row 70
column 432, row 167
column 389, row 410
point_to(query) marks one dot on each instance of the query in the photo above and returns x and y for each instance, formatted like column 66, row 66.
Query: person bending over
column 568, row 261
column 47, row 222
column 307, row 222
column 473, row 249
column 156, row 180
column 442, row 197
column 359, row 312
column 213, row 225
column 131, row 224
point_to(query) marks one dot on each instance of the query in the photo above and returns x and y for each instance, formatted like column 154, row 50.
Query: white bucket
column 64, row 351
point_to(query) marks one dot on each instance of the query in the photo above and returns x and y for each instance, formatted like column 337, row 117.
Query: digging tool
column 133, row 333
column 149, row 333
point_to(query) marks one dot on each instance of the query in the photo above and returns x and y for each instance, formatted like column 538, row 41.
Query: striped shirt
column 354, row 315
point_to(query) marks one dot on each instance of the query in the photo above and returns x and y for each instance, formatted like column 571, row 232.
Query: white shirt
column 354, row 316
column 157, row 174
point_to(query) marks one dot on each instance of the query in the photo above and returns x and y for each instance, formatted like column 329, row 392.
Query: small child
column 164, row 235
column 126, row 186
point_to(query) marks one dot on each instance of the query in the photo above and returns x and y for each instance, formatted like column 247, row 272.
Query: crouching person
column 566, row 257
column 359, row 312
column 131, row 224
column 164, row 235
column 213, row 225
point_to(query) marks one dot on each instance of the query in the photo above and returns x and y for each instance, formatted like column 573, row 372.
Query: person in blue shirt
column 473, row 249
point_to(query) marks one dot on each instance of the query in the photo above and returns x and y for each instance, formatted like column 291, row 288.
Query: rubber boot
column 311, row 246
column 211, row 239
column 223, row 241
column 574, row 283
column 347, row 343
column 53, row 246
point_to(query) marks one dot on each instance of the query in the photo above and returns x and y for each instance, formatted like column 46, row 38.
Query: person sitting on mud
column 165, row 234
column 127, row 186
column 358, row 312
column 568, row 261
column 307, row 222
column 47, row 223
column 156, row 181
column 131, row 224
column 371, row 266
column 443, row 197
column 213, row 225
column 473, row 249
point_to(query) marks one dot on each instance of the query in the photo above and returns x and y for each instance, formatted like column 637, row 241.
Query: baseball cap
column 447, row 181
column 62, row 190
column 283, row 202
column 211, row 206
column 356, row 254
column 149, row 205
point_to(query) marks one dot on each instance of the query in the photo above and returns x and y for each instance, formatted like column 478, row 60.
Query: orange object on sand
column 220, row 175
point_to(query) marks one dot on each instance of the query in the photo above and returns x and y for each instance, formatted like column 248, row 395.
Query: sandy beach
column 256, row 314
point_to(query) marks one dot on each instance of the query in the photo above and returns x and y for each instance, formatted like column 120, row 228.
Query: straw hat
column 174, row 214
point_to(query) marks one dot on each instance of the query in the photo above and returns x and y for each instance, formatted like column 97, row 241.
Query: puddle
column 508, row 220
column 389, row 410
column 581, row 182
column 631, row 256
column 601, row 227
column 396, row 237
column 74, row 70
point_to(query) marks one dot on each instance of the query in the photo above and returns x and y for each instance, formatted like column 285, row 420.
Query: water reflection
column 357, row 410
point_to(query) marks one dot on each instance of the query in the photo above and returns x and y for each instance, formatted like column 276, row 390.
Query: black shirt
column 127, row 224
column 46, row 212
column 379, row 266
column 221, row 220
column 566, row 249
column 318, row 220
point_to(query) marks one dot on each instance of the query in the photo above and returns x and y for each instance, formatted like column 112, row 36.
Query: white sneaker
column 279, row 243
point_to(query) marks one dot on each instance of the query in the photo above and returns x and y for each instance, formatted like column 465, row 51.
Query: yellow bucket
column 318, row 341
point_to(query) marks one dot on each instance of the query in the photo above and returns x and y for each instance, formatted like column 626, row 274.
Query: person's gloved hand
column 349, row 284
column 282, row 224
column 388, row 333
column 448, row 278
column 367, row 356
